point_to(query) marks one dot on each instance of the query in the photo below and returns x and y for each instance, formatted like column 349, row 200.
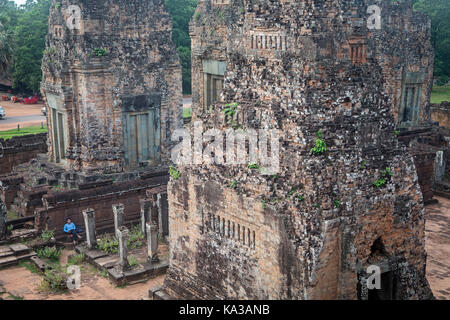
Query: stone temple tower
column 111, row 83
column 336, row 78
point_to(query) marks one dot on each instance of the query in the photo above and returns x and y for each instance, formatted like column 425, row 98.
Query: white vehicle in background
column 2, row 113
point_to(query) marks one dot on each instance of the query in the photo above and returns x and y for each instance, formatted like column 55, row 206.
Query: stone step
column 6, row 254
column 157, row 293
column 4, row 249
column 19, row 249
column 92, row 254
column 26, row 256
column 107, row 262
column 8, row 262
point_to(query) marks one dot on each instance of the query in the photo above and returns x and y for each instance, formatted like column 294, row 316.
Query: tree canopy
column 24, row 30
column 439, row 13
column 181, row 12
column 6, row 37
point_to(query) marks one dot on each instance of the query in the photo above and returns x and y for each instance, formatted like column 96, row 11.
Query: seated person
column 72, row 230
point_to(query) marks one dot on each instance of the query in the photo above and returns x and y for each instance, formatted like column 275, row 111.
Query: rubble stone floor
column 438, row 247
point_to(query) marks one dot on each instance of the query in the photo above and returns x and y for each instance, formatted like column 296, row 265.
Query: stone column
column 89, row 222
column 118, row 210
column 160, row 221
column 152, row 242
column 3, row 221
column 439, row 166
column 145, row 213
column 122, row 234
column 154, row 212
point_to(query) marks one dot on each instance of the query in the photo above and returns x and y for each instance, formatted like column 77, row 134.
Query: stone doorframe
column 57, row 114
column 145, row 104
column 386, row 265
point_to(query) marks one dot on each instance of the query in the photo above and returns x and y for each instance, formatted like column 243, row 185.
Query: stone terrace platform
column 438, row 247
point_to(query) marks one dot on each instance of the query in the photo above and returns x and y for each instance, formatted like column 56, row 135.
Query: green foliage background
column 23, row 30
column 439, row 12
column 181, row 12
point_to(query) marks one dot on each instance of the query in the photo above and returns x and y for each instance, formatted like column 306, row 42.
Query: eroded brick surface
column 302, row 67
column 441, row 113
column 20, row 149
column 107, row 62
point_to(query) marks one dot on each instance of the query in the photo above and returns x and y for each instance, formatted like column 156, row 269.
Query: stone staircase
column 11, row 255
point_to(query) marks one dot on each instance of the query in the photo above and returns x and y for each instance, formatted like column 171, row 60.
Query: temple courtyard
column 19, row 282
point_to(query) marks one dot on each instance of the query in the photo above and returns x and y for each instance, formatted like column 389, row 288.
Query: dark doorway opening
column 388, row 289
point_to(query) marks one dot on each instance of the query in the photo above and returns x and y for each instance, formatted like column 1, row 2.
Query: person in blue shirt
column 72, row 230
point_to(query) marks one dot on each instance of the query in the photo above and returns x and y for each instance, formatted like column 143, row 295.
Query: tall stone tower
column 336, row 78
column 111, row 83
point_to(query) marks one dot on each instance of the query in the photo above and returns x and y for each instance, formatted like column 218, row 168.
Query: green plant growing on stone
column 230, row 111
column 396, row 133
column 50, row 253
column 337, row 203
column 55, row 281
column 197, row 16
column 264, row 204
column 57, row 188
column 100, row 52
column 132, row 261
column 363, row 164
column 47, row 235
column 174, row 173
column 316, row 205
column 300, row 198
column 254, row 166
column 136, row 237
column 233, row 184
column 220, row 15
column 13, row 297
column 292, row 191
column 108, row 244
column 379, row 183
column 104, row 273
column 387, row 172
column 76, row 259
column 320, row 145
column 385, row 175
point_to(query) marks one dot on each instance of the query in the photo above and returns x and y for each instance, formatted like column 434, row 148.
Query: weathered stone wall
column 104, row 60
column 441, row 113
column 427, row 145
column 21, row 149
column 58, row 206
column 311, row 230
